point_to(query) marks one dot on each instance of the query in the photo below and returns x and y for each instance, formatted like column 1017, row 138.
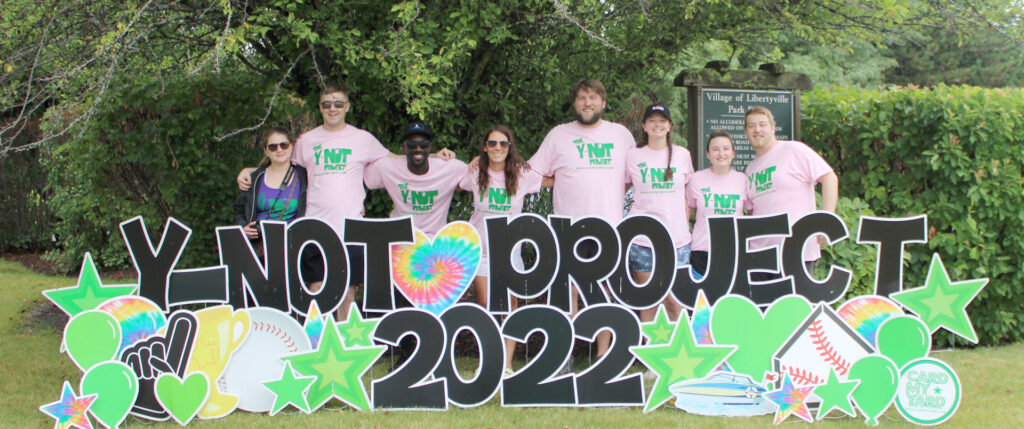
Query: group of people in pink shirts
column 590, row 162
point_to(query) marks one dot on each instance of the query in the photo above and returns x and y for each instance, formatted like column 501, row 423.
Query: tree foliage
column 981, row 57
column 153, row 153
column 461, row 65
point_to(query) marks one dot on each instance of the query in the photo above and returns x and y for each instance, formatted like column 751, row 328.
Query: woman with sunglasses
column 279, row 187
column 499, row 184
column 659, row 171
column 715, row 191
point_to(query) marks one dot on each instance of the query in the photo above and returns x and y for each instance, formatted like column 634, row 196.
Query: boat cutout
column 722, row 394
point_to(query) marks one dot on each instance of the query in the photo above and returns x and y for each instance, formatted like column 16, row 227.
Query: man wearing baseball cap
column 420, row 186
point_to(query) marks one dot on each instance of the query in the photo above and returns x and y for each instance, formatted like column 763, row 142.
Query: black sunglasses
column 493, row 143
column 420, row 144
column 273, row 146
column 326, row 104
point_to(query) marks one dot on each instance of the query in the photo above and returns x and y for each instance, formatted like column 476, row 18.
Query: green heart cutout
column 735, row 320
column 182, row 398
column 116, row 387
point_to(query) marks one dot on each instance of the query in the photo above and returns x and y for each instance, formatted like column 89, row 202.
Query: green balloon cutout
column 736, row 320
column 117, row 387
column 92, row 337
column 879, row 380
column 904, row 339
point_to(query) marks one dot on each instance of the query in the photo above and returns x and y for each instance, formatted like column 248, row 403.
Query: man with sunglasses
column 419, row 185
column 335, row 155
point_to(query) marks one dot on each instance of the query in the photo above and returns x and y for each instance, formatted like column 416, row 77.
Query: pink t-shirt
column 335, row 161
column 497, row 202
column 782, row 181
column 714, row 195
column 426, row 198
column 589, row 166
column 657, row 197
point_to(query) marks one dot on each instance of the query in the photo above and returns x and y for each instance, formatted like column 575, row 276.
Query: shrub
column 954, row 153
column 152, row 150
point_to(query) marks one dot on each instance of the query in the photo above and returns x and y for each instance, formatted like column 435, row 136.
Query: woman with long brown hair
column 499, row 185
column 278, row 190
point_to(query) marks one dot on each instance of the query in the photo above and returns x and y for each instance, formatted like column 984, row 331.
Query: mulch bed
column 42, row 314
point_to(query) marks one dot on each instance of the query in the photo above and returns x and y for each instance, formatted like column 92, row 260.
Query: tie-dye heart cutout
column 433, row 275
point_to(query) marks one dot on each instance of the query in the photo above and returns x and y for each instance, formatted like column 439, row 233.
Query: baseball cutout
column 272, row 334
column 823, row 342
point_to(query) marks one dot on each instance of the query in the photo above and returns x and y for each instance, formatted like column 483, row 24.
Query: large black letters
column 378, row 235
column 502, row 236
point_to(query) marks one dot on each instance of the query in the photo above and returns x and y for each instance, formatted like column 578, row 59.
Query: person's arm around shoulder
column 545, row 160
column 546, row 182
column 243, row 178
column 459, row 170
column 444, row 154
column 829, row 191
column 373, row 173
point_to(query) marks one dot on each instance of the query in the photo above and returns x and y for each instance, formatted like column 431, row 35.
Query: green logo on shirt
column 656, row 176
column 761, row 181
column 421, row 201
column 724, row 204
column 332, row 159
column 497, row 199
column 596, row 153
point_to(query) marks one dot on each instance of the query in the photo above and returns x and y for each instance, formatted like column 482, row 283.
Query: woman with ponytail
column 659, row 171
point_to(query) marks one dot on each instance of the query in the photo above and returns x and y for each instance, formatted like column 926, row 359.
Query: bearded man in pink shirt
column 587, row 158
column 781, row 179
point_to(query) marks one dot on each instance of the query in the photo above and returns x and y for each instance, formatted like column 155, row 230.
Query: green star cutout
column 658, row 331
column 289, row 389
column 834, row 395
column 680, row 359
column 338, row 370
column 89, row 293
column 357, row 330
column 941, row 303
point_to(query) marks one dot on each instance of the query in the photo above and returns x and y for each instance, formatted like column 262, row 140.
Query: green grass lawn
column 33, row 370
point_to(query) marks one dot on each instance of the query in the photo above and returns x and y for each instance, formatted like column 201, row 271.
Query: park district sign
column 723, row 109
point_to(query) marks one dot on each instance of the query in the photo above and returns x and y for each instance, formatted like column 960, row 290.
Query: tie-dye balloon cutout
column 433, row 275
column 865, row 315
column 138, row 317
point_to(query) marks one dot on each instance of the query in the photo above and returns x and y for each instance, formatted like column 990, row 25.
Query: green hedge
column 151, row 150
column 955, row 153
column 27, row 224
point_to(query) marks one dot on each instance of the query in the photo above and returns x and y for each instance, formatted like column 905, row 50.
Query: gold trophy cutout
column 221, row 331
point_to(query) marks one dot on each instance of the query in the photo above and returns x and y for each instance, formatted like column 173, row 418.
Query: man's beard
column 593, row 120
